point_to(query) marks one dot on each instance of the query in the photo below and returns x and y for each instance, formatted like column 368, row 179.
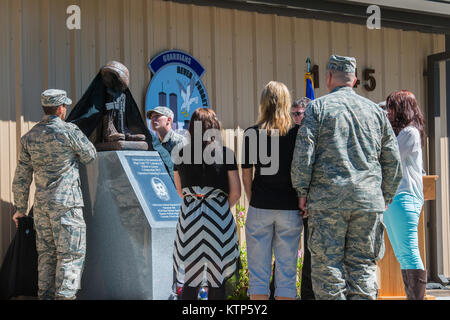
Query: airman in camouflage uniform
column 346, row 168
column 52, row 151
column 161, row 120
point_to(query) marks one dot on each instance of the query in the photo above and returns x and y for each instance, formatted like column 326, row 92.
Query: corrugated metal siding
column 442, row 226
column 240, row 50
column 7, row 128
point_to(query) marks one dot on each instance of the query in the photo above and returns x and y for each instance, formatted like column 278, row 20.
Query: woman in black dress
column 206, row 177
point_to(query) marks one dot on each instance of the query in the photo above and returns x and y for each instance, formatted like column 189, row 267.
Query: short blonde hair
column 274, row 108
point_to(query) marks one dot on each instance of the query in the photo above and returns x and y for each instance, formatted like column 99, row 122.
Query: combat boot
column 129, row 136
column 415, row 281
column 110, row 132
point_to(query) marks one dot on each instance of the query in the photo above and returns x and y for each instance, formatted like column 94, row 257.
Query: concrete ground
column 439, row 291
column 436, row 290
column 440, row 294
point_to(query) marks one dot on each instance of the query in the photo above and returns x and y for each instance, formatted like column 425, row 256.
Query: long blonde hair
column 274, row 108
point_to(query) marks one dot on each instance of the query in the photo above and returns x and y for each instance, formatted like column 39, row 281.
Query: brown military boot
column 129, row 136
column 110, row 133
column 415, row 281
column 134, row 137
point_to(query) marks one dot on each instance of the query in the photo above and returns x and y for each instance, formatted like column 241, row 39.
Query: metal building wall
column 440, row 222
column 240, row 50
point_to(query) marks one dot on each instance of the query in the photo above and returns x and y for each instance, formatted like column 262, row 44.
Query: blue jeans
column 401, row 220
column 280, row 230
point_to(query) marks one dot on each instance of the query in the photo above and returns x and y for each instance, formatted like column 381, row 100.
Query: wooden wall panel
column 180, row 27
column 100, row 33
column 243, row 84
column 303, row 49
column 407, row 60
column 76, row 64
column 264, row 53
column 375, row 60
column 113, row 31
column 321, row 52
column 358, row 49
column 7, row 128
column 89, row 65
column 32, row 62
column 283, row 48
column 202, row 37
column 137, row 60
column 339, row 38
column 391, row 70
column 223, row 76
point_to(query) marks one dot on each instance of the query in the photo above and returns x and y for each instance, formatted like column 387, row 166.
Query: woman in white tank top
column 402, row 215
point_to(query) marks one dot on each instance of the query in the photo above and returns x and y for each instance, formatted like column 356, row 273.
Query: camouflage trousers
column 61, row 247
column 344, row 247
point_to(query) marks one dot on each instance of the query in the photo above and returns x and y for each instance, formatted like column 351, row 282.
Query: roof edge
column 334, row 11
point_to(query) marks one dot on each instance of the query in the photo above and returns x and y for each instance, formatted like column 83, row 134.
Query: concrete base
column 122, row 145
column 403, row 298
column 129, row 253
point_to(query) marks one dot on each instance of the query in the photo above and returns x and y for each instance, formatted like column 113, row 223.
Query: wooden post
column 391, row 282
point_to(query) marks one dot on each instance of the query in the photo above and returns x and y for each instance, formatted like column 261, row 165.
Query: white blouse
column 412, row 164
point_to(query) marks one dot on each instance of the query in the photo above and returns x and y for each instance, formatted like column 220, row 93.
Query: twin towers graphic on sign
column 176, row 84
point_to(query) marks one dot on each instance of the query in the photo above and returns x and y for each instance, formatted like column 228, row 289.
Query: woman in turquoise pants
column 402, row 215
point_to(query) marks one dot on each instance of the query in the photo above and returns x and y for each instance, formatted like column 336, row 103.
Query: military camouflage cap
column 54, row 98
column 161, row 110
column 341, row 63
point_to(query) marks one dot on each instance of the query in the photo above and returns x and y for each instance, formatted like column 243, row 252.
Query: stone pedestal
column 122, row 145
column 131, row 211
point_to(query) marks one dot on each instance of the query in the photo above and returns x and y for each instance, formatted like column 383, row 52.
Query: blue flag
column 309, row 86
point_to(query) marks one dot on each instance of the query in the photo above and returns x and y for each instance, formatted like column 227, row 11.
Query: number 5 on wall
column 371, row 82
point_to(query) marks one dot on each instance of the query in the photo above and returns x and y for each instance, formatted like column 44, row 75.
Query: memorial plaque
column 131, row 211
column 155, row 187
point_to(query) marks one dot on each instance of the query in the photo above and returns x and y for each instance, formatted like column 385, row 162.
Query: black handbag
column 19, row 272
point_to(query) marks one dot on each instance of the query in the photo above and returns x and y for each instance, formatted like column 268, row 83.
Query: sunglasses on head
column 297, row 114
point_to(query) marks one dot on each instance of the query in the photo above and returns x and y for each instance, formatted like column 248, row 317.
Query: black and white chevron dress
column 206, row 244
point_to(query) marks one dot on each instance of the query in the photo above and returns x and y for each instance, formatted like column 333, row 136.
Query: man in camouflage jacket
column 52, row 150
column 346, row 168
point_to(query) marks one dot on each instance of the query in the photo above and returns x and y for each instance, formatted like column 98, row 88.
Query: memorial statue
column 108, row 109
column 108, row 114
column 116, row 79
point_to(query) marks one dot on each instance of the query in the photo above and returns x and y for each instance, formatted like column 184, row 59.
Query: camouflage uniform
column 52, row 150
column 171, row 139
column 347, row 164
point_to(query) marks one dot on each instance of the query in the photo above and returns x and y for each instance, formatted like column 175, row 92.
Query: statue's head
column 115, row 76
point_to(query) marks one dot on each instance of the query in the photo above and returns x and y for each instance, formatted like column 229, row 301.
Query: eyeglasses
column 297, row 114
column 155, row 116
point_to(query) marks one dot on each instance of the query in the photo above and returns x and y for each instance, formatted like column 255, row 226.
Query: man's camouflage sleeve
column 390, row 164
column 82, row 146
column 22, row 179
column 304, row 153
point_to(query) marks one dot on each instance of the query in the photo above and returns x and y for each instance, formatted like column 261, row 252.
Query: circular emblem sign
column 176, row 84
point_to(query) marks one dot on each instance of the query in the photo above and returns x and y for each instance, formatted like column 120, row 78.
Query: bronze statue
column 108, row 114
column 116, row 79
